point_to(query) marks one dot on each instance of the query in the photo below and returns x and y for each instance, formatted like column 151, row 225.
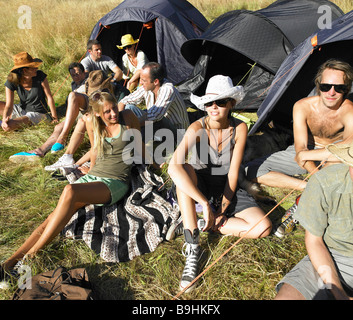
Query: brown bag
column 59, row 284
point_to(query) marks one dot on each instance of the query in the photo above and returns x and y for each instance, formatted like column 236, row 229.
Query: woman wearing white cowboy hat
column 133, row 61
column 33, row 90
column 219, row 87
column 217, row 143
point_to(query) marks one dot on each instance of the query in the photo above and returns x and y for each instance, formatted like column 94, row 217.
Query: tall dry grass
column 58, row 35
column 60, row 30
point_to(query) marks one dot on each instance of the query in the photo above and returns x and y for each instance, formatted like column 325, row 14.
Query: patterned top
column 168, row 104
column 326, row 208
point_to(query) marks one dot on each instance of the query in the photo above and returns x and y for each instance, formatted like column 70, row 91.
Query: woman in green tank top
column 106, row 181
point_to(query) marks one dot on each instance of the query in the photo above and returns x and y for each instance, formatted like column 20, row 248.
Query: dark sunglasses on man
column 339, row 88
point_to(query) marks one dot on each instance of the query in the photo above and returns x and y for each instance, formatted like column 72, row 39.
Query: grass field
column 28, row 194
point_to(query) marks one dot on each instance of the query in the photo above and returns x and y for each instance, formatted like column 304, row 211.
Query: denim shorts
column 212, row 187
column 117, row 188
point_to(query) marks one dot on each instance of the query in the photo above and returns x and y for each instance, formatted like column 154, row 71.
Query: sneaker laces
column 192, row 254
column 61, row 163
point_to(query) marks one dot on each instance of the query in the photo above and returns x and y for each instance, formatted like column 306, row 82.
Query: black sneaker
column 192, row 252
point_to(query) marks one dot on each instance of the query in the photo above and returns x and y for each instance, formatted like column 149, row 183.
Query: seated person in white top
column 133, row 61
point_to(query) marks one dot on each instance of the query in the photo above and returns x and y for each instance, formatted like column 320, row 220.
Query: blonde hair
column 339, row 65
column 96, row 102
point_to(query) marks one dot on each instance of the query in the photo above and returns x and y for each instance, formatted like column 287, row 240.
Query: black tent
column 250, row 46
column 162, row 25
column 294, row 79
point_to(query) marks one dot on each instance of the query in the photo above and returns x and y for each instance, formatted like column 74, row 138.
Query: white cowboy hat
column 343, row 152
column 218, row 87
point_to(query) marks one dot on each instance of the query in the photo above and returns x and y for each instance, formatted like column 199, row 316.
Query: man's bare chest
column 325, row 127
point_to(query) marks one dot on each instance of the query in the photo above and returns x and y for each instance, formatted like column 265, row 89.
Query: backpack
column 58, row 284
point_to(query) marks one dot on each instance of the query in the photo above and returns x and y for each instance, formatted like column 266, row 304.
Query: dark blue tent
column 295, row 78
column 162, row 26
column 239, row 39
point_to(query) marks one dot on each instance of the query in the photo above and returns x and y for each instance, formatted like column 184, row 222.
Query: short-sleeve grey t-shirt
column 106, row 64
column 325, row 208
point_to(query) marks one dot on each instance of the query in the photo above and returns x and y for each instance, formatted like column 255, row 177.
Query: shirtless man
column 317, row 121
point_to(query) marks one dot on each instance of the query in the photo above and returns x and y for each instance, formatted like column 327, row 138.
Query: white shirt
column 128, row 68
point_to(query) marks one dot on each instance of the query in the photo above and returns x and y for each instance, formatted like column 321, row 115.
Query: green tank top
column 114, row 164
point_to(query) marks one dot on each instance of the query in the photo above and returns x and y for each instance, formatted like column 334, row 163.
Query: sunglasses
column 220, row 103
column 339, row 88
column 128, row 46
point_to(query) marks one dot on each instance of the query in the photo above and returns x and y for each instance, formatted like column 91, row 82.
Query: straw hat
column 24, row 59
column 97, row 80
column 127, row 40
column 218, row 87
column 343, row 152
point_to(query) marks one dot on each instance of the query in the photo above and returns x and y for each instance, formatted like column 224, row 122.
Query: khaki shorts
column 34, row 117
column 306, row 280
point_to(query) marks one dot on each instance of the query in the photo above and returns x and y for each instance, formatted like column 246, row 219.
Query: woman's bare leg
column 245, row 220
column 45, row 147
column 74, row 196
column 187, row 204
column 75, row 102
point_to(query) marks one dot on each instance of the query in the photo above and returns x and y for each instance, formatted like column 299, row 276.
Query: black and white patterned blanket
column 133, row 226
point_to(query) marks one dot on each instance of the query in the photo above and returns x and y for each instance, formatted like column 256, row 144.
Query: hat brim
column 106, row 84
column 34, row 64
column 128, row 44
column 342, row 152
column 236, row 93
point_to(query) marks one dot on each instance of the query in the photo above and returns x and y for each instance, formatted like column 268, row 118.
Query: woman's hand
column 208, row 216
column 220, row 221
column 4, row 124
column 84, row 169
